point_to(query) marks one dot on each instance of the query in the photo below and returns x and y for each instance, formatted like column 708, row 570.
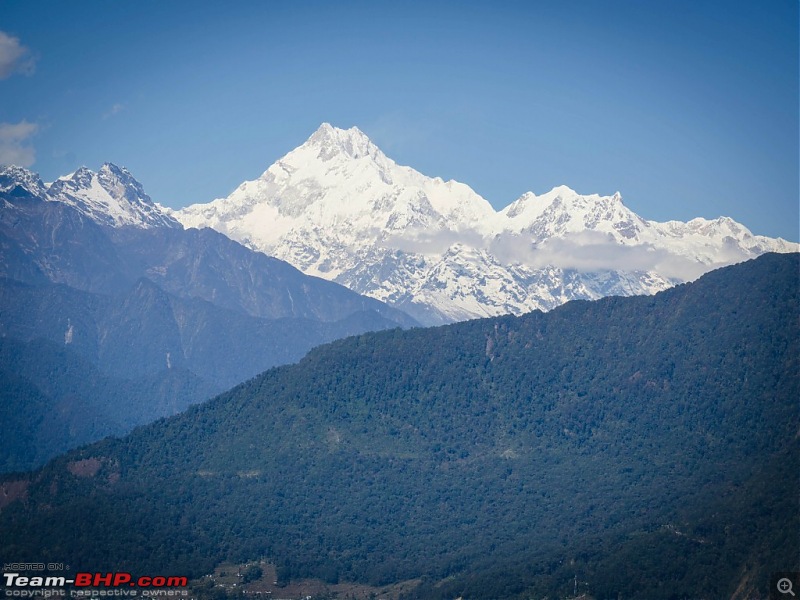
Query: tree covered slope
column 646, row 446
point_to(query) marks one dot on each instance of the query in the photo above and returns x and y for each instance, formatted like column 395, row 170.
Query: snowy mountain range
column 112, row 196
column 339, row 208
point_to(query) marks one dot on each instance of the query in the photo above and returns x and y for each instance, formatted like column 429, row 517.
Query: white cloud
column 419, row 241
column 14, row 57
column 585, row 252
column 114, row 110
column 592, row 251
column 15, row 146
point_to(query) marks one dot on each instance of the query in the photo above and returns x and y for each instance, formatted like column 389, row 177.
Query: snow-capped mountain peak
column 352, row 142
column 121, row 185
column 563, row 211
column 338, row 185
column 112, row 196
column 339, row 208
column 16, row 180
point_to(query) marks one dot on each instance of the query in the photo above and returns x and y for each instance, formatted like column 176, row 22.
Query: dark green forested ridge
column 644, row 443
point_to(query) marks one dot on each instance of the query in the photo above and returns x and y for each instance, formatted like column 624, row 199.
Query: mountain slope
column 111, row 196
column 147, row 330
column 46, row 240
column 105, row 364
column 337, row 207
column 644, row 445
column 143, row 301
column 53, row 399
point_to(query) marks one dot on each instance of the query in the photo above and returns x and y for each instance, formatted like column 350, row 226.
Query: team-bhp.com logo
column 109, row 580
column 91, row 585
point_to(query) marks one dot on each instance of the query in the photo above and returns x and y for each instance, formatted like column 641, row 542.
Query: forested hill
column 644, row 446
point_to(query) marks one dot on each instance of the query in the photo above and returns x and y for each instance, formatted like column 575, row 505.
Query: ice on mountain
column 338, row 208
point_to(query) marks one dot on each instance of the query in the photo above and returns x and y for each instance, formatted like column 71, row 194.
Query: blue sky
column 688, row 108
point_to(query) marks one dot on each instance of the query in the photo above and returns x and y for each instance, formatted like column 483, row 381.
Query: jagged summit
column 112, row 196
column 529, row 201
column 563, row 211
column 18, row 181
column 339, row 184
column 352, row 142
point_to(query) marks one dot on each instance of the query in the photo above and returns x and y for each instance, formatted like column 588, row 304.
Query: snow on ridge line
column 337, row 207
column 111, row 196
